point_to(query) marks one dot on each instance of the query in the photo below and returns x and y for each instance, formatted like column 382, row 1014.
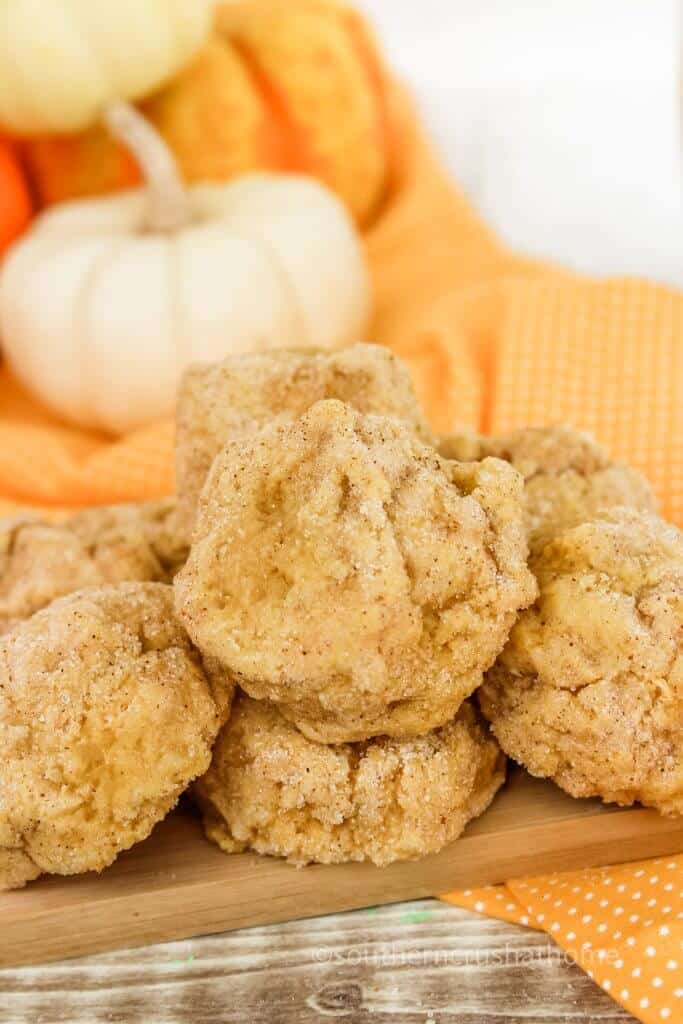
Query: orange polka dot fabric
column 623, row 925
column 601, row 355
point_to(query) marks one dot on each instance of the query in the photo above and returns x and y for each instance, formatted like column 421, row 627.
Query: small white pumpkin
column 104, row 303
column 63, row 61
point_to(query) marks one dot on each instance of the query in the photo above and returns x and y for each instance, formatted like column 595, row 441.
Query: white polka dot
column 630, row 941
column 607, row 984
column 604, row 903
column 588, row 896
column 557, row 903
column 644, row 1003
column 652, row 902
column 671, row 866
column 664, row 930
column 650, row 951
column 635, row 973
column 572, row 911
column 678, row 992
column 601, row 954
column 624, row 993
column 524, row 919
column 510, row 906
column 571, row 936
column 618, row 963
column 665, row 1013
column 639, row 873
column 668, row 887
column 636, row 896
column 616, row 935
column 576, row 888
column 467, row 892
column 540, row 917
column 666, row 910
column 618, row 911
column 479, row 906
column 654, row 879
column 500, row 896
column 554, row 927
column 586, row 919
column 657, row 982
column 602, row 928
column 633, row 918
column 672, row 965
column 621, row 888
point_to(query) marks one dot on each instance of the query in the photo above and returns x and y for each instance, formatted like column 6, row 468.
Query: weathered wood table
column 415, row 963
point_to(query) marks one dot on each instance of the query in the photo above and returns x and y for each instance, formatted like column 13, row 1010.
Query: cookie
column 107, row 712
column 271, row 790
column 42, row 561
column 568, row 477
column 244, row 393
column 344, row 571
column 589, row 689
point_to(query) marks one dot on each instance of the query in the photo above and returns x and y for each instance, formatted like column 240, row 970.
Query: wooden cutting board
column 176, row 884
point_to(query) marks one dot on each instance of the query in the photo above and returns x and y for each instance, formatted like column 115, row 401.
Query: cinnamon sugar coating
column 139, row 541
column 589, row 689
column 246, row 392
column 41, row 561
column 107, row 713
column 272, row 790
column 568, row 477
column 344, row 571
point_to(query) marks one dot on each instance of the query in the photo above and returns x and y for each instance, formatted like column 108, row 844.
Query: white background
column 560, row 118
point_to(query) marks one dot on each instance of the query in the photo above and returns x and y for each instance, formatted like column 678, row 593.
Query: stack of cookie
column 313, row 628
column 589, row 688
column 356, row 585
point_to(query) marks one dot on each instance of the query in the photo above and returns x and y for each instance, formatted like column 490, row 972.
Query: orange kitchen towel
column 623, row 925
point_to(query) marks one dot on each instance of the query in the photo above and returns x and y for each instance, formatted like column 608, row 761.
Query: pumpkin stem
column 168, row 208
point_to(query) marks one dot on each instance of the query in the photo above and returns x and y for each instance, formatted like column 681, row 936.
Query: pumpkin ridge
column 86, row 377
column 280, row 271
column 376, row 78
column 285, row 145
column 30, row 369
column 175, row 306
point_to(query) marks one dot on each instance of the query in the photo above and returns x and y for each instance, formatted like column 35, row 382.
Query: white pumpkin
column 104, row 303
column 63, row 61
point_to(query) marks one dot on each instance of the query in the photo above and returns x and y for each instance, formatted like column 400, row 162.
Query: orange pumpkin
column 291, row 85
column 15, row 201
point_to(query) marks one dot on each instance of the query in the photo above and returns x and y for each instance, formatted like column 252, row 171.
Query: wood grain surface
column 416, row 963
column 176, row 884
